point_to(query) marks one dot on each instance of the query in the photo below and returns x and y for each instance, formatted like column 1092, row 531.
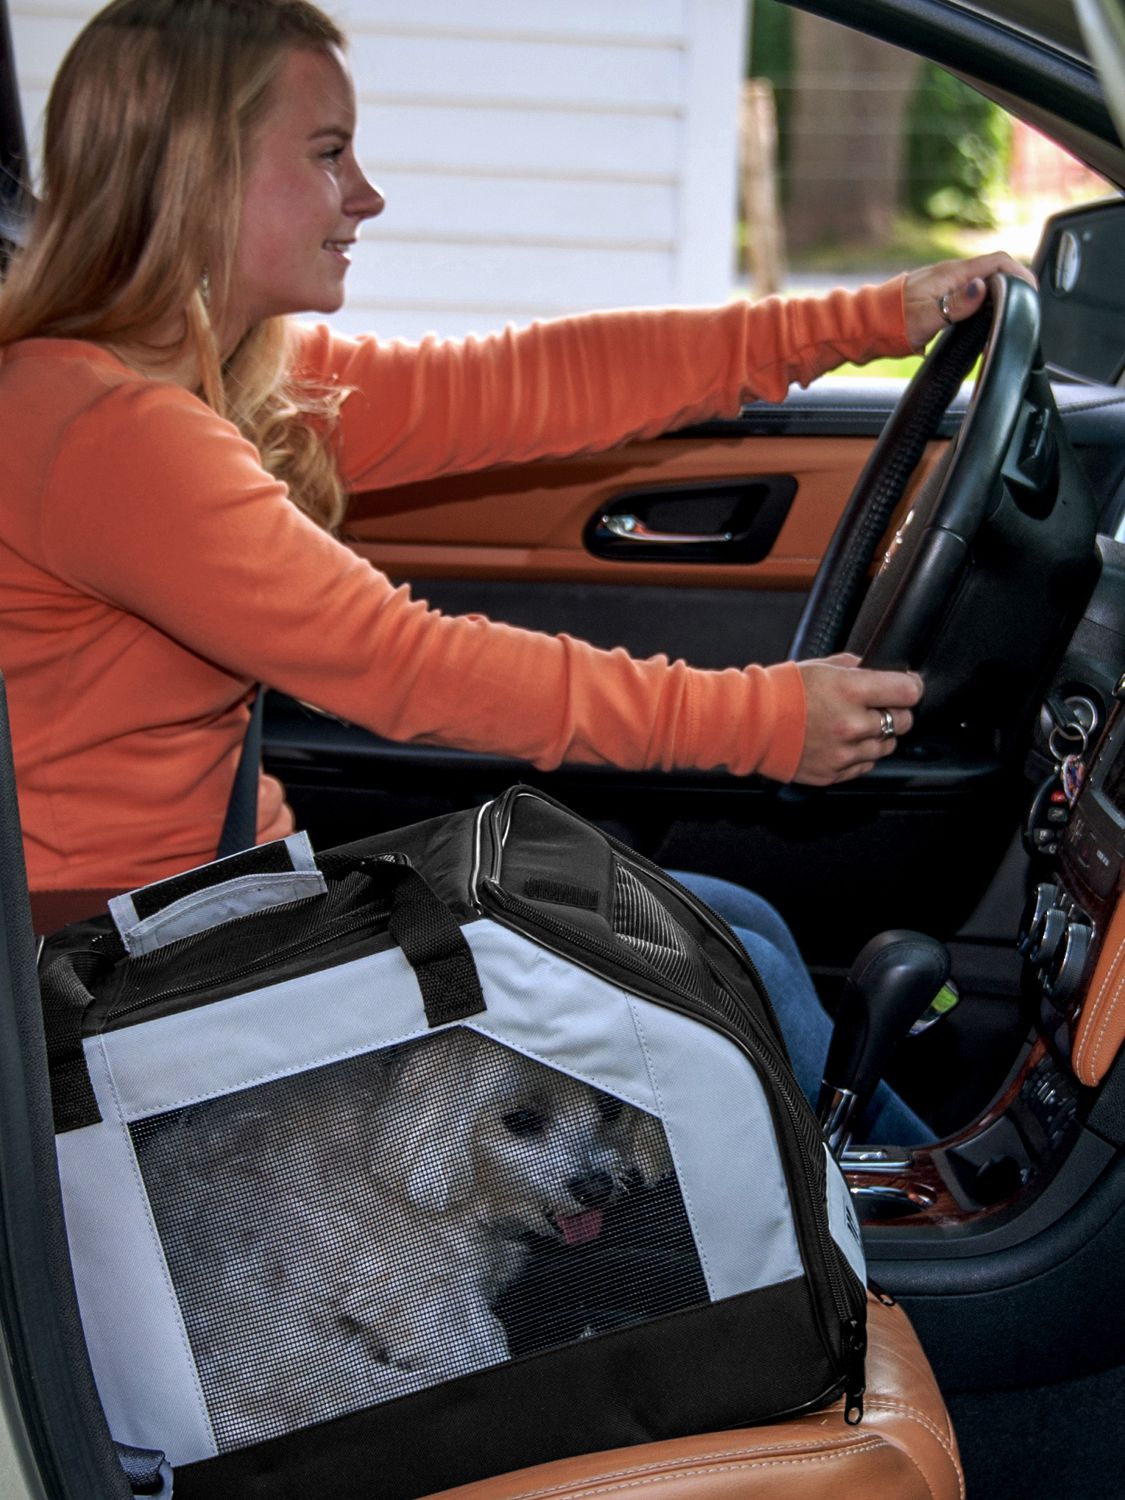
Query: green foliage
column 958, row 150
column 958, row 144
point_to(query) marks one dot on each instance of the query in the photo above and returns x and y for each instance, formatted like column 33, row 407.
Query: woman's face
column 304, row 196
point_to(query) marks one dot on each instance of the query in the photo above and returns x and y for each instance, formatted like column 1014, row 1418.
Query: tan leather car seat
column 904, row 1448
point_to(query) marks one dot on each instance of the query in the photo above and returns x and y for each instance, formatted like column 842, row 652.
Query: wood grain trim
column 923, row 1182
column 527, row 521
column 1101, row 1026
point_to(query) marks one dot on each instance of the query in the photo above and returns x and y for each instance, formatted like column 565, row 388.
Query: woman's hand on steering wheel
column 853, row 717
column 951, row 291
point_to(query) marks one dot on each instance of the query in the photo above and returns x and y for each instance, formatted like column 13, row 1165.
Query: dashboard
column 976, row 1186
column 1071, row 934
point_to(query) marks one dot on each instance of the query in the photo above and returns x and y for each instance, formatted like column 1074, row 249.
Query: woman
column 166, row 529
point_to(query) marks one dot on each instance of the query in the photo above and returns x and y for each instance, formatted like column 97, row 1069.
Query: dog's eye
column 525, row 1122
column 609, row 1108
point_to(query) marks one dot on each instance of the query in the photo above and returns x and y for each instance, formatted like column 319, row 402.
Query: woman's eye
column 524, row 1122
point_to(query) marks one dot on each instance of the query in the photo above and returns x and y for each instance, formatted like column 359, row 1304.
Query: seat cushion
column 904, row 1448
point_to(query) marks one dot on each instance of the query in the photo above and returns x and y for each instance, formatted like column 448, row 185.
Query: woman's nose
column 366, row 201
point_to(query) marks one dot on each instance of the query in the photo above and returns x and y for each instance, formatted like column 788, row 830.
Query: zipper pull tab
column 855, row 1349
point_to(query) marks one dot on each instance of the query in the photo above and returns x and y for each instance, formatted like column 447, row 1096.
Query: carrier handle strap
column 419, row 921
column 431, row 941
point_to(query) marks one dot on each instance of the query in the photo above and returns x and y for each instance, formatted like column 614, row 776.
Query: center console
column 996, row 1180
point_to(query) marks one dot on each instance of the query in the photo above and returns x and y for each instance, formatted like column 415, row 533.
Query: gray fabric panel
column 843, row 1222
column 721, row 1136
column 374, row 1002
column 143, row 1367
column 559, row 1014
column 268, row 1033
column 707, row 1094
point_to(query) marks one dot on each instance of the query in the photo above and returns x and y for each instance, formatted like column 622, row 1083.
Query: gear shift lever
column 891, row 983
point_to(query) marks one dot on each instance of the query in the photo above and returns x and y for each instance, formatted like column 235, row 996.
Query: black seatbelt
column 240, row 826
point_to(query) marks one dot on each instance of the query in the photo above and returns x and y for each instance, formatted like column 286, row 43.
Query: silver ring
column 943, row 308
column 886, row 724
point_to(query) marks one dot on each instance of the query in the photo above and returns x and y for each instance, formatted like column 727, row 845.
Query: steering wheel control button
column 1032, row 465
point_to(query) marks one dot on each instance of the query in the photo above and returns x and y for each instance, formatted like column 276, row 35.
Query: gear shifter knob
column 891, row 983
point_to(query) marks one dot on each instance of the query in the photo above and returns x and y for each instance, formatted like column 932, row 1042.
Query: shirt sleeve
column 581, row 384
column 185, row 530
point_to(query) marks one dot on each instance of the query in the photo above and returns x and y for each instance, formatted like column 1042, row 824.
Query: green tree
column 958, row 151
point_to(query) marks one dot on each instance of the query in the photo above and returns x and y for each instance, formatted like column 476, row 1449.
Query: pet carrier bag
column 447, row 1152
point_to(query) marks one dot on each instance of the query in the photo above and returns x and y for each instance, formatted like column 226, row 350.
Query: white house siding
column 537, row 158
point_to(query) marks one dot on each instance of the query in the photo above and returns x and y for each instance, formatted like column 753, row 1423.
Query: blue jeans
column 804, row 1022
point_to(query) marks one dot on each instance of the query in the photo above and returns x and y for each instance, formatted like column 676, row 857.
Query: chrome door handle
column 632, row 529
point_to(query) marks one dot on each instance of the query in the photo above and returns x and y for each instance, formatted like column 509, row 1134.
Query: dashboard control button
column 1067, row 974
column 1051, row 934
column 1038, row 905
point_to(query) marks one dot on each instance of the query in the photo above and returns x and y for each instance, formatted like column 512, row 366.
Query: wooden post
column 757, row 133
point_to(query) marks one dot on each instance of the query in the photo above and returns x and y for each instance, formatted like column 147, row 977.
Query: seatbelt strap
column 240, row 826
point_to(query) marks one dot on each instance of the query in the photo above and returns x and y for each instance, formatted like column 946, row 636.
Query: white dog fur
column 338, row 1246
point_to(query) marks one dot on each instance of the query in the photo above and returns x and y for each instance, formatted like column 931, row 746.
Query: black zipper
column 760, row 1050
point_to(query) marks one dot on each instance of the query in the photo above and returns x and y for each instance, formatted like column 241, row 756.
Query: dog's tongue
column 579, row 1229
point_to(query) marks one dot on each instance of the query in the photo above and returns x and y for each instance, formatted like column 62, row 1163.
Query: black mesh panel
column 647, row 926
column 369, row 1228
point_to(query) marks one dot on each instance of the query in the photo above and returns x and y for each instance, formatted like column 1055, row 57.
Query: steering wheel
column 1007, row 443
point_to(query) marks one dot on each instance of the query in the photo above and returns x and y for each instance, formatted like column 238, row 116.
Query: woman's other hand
column 853, row 717
column 950, row 291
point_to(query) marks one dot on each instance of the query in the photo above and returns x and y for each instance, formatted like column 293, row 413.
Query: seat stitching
column 1090, row 1038
column 889, row 1403
column 641, row 1478
column 1117, row 970
column 911, row 1459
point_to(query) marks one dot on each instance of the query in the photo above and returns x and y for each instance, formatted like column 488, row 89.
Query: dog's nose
column 592, row 1189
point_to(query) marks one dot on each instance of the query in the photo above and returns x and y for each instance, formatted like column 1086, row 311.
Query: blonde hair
column 145, row 134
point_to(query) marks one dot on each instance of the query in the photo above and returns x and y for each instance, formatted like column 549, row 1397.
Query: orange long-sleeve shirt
column 150, row 571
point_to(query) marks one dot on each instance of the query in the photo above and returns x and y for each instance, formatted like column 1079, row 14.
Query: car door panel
column 534, row 521
column 514, row 544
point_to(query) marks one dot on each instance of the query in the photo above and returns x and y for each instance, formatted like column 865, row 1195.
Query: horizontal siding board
column 523, row 209
column 527, row 142
column 550, row 73
column 502, row 274
column 638, row 19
